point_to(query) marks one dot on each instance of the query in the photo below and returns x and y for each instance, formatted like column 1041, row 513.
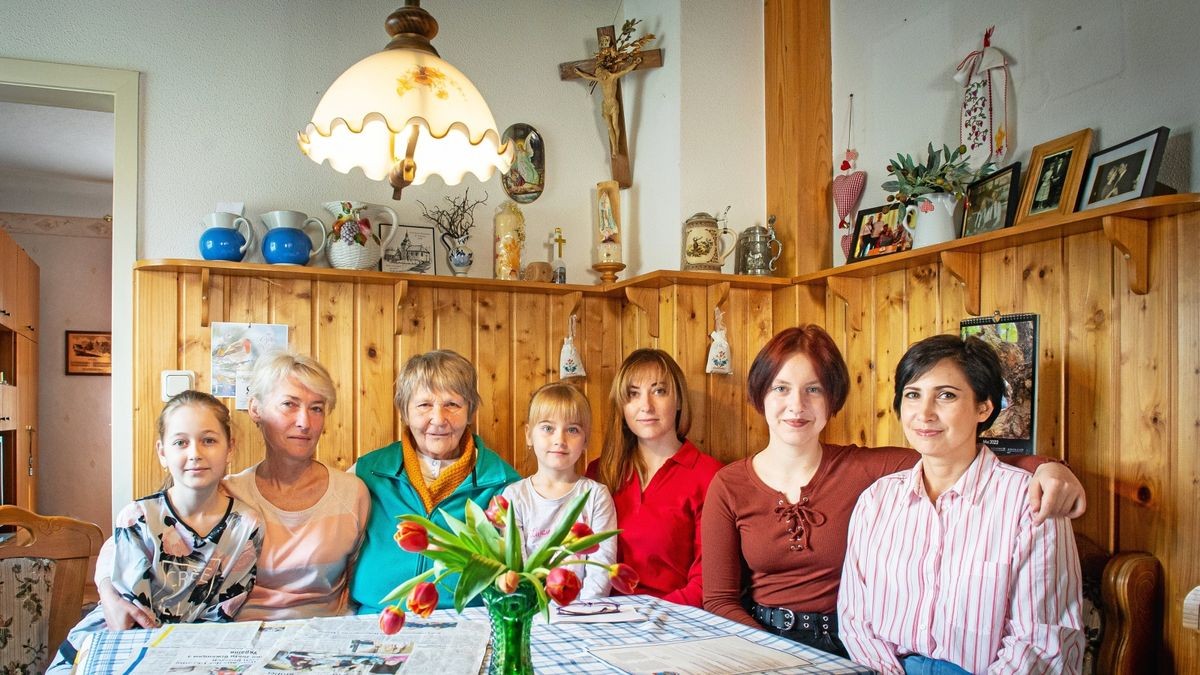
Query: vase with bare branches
column 455, row 223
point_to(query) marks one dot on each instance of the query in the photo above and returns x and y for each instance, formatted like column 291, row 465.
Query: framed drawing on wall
column 1015, row 339
column 411, row 250
column 89, row 352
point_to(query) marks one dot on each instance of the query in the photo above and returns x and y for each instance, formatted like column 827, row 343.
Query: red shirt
column 660, row 526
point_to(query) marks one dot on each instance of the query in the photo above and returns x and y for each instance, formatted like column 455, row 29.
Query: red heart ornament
column 847, row 189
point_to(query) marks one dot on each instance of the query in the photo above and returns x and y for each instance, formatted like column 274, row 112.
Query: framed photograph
column 411, row 250
column 1015, row 339
column 89, row 352
column 879, row 231
column 1125, row 171
column 1055, row 172
column 991, row 202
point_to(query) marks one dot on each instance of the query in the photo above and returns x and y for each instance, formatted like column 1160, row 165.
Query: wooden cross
column 619, row 153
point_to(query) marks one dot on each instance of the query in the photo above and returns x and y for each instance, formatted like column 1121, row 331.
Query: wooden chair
column 43, row 568
column 1122, row 597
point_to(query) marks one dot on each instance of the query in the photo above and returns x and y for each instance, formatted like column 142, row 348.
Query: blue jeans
column 915, row 664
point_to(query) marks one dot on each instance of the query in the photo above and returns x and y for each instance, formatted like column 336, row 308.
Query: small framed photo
column 89, row 352
column 879, row 231
column 1055, row 172
column 1015, row 339
column 992, row 201
column 411, row 251
column 1125, row 171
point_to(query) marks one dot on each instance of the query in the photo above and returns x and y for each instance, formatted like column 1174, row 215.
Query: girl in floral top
column 188, row 553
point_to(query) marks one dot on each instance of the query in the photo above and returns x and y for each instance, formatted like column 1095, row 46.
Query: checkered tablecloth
column 558, row 648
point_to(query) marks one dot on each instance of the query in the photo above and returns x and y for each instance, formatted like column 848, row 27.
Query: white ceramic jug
column 931, row 226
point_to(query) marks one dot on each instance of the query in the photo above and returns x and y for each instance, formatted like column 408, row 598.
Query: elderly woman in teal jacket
column 437, row 465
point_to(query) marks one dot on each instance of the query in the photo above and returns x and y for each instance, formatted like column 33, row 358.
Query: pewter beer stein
column 757, row 251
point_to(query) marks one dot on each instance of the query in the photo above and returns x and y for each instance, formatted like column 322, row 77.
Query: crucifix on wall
column 614, row 59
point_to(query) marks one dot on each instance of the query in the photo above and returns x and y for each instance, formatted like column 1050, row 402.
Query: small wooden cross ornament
column 612, row 108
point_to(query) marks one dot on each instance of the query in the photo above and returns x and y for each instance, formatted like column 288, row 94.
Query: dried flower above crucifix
column 627, row 50
column 458, row 220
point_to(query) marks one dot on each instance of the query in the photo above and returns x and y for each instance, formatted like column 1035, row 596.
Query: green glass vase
column 512, row 616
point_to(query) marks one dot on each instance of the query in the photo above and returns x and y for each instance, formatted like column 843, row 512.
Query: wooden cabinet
column 9, row 253
column 19, row 295
column 26, row 460
column 27, row 296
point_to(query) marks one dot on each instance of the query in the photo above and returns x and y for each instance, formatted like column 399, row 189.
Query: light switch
column 176, row 381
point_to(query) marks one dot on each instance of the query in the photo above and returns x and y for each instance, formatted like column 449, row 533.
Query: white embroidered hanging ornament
column 569, row 363
column 718, row 351
column 848, row 186
column 984, row 75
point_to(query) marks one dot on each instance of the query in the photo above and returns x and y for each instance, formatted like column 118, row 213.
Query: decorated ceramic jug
column 932, row 218
column 355, row 243
column 223, row 237
column 705, row 245
column 287, row 241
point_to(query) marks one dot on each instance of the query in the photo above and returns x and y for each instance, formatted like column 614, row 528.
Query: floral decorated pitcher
column 354, row 243
column 933, row 219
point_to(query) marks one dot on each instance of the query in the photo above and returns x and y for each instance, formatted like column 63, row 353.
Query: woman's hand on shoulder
column 1055, row 492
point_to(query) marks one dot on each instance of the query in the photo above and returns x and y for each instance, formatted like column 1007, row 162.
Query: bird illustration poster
column 235, row 348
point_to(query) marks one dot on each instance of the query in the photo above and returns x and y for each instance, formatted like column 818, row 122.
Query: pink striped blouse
column 968, row 579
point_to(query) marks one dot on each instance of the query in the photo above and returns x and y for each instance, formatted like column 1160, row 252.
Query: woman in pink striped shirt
column 946, row 570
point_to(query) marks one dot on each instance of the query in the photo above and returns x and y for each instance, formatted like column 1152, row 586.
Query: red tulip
column 423, row 599
column 508, row 582
column 579, row 531
column 624, row 579
column 412, row 537
column 391, row 620
column 562, row 585
column 497, row 511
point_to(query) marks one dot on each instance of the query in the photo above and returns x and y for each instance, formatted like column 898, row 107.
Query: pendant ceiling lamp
column 404, row 114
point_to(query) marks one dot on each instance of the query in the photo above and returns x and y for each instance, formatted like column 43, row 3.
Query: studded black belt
column 782, row 618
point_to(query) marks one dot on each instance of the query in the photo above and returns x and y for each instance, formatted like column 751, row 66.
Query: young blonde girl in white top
column 560, row 420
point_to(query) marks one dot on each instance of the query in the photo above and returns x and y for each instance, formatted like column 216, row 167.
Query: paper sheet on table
column 623, row 614
column 729, row 655
column 354, row 644
column 158, row 660
column 231, row 635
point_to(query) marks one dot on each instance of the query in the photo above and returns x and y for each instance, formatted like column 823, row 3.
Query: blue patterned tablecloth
column 557, row 649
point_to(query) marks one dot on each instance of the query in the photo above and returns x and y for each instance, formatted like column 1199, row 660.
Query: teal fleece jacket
column 382, row 565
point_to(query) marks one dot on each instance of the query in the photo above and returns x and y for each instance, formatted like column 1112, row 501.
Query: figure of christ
column 611, row 108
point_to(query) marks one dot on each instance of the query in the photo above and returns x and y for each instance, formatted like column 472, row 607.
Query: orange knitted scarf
column 447, row 481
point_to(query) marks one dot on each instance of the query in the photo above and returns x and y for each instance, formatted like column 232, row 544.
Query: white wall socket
column 176, row 381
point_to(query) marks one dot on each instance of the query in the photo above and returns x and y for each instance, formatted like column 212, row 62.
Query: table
column 558, row 649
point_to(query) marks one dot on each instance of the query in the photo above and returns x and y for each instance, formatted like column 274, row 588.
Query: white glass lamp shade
column 367, row 116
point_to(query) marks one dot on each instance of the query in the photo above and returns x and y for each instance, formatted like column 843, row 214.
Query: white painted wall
column 1120, row 68
column 227, row 85
column 73, row 418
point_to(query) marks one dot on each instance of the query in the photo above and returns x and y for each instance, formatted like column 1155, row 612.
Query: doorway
column 116, row 92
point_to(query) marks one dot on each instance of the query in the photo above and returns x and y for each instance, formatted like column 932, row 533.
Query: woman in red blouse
column 775, row 523
column 658, row 479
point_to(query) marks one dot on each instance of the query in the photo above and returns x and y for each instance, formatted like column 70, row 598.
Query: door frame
column 118, row 92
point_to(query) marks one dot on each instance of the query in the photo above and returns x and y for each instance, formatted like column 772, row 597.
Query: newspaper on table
column 730, row 655
column 342, row 646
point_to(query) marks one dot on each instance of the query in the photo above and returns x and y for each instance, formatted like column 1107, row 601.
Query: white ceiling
column 56, row 142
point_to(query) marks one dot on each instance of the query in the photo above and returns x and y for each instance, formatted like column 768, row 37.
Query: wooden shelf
column 1124, row 224
column 651, row 280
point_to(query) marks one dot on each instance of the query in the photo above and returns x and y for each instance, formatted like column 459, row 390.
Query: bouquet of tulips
column 485, row 549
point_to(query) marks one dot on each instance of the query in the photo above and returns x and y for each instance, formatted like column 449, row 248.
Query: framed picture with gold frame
column 89, row 352
column 1055, row 172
